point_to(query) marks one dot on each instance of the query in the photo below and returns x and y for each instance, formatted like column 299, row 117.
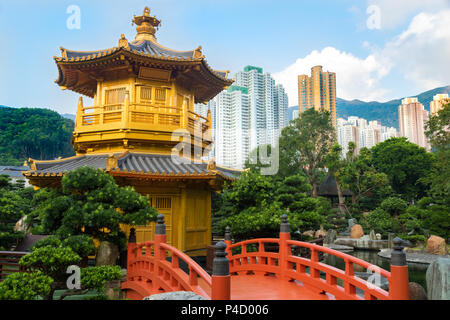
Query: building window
column 160, row 94
column 115, row 96
column 146, row 94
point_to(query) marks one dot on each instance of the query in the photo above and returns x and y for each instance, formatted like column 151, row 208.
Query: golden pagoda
column 144, row 95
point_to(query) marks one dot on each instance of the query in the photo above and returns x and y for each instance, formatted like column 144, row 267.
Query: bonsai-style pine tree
column 91, row 203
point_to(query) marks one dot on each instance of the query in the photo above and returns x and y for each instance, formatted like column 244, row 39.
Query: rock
column 107, row 254
column 112, row 289
column 331, row 237
column 356, row 231
column 309, row 233
column 362, row 243
column 177, row 295
column 436, row 245
column 320, row 234
column 391, row 237
column 21, row 225
column 438, row 279
column 417, row 292
column 372, row 235
column 351, row 223
column 378, row 236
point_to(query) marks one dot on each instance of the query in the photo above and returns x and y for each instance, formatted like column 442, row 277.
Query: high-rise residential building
column 251, row 113
column 318, row 91
column 348, row 133
column 364, row 134
column 412, row 118
column 437, row 103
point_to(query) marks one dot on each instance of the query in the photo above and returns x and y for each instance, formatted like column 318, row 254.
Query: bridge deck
column 260, row 287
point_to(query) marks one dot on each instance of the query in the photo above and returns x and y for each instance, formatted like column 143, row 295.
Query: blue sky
column 406, row 54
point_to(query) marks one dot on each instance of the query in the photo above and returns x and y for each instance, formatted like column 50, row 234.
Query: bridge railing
column 318, row 276
column 154, row 267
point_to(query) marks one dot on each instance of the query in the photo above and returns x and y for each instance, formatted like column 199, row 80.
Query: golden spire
column 146, row 26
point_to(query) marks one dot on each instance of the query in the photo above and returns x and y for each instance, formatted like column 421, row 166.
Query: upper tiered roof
column 79, row 71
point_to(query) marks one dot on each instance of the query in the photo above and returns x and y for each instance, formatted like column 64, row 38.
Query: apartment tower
column 318, row 91
column 412, row 118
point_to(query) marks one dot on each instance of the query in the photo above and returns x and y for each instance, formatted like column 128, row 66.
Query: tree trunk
column 314, row 190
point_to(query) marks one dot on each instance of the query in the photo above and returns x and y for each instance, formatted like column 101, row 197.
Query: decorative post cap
column 228, row 233
column 132, row 236
column 284, row 226
column 398, row 256
column 160, row 225
column 221, row 265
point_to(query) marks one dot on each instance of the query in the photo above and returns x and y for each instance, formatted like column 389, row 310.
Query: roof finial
column 146, row 26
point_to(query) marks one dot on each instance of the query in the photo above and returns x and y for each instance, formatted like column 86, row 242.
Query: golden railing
column 166, row 117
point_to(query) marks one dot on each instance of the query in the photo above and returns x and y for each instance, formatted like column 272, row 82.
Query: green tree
column 304, row 145
column 405, row 164
column 25, row 286
column 48, row 262
column 253, row 205
column 12, row 209
column 90, row 203
column 33, row 133
column 362, row 178
column 336, row 167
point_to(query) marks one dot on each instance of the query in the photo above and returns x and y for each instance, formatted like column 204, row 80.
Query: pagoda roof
column 131, row 163
column 207, row 81
column 145, row 47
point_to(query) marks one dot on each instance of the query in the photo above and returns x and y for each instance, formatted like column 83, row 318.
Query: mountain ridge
column 385, row 112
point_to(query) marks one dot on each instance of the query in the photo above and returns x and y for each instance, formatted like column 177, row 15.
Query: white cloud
column 422, row 51
column 420, row 54
column 395, row 12
column 355, row 78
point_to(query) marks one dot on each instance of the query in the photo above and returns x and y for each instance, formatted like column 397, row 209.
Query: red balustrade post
column 221, row 279
column 284, row 249
column 399, row 284
column 131, row 254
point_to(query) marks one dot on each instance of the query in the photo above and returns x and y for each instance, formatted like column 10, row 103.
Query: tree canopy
column 405, row 164
column 90, row 203
column 33, row 133
column 304, row 146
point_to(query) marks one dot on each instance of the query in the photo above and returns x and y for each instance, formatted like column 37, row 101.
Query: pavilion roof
column 131, row 163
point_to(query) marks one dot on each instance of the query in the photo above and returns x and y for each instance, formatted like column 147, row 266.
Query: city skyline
column 343, row 40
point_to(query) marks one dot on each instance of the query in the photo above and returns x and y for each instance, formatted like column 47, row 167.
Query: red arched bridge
column 248, row 270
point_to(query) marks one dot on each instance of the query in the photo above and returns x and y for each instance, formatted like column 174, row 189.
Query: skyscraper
column 251, row 113
column 318, row 91
column 437, row 102
column 412, row 118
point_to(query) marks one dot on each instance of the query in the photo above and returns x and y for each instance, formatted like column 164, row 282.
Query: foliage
column 51, row 258
column 404, row 163
column 367, row 184
column 96, row 277
column 12, row 208
column 52, row 261
column 413, row 238
column 394, row 206
column 437, row 128
column 381, row 222
column 25, row 286
column 33, row 133
column 434, row 217
column 90, row 203
column 81, row 244
column 304, row 145
column 253, row 205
